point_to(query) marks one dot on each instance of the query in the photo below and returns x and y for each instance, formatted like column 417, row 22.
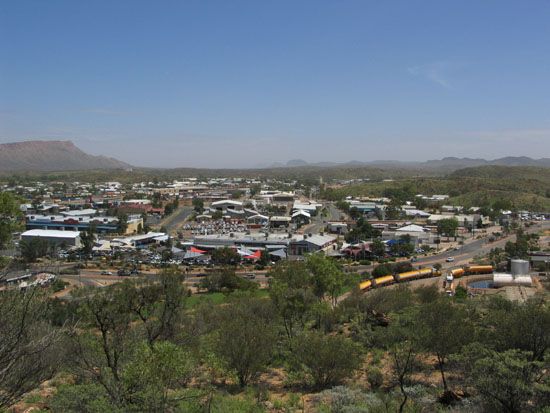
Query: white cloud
column 435, row 72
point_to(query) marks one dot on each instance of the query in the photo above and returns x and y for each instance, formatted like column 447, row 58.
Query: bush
column 328, row 360
column 59, row 285
column 381, row 270
column 375, row 378
column 81, row 398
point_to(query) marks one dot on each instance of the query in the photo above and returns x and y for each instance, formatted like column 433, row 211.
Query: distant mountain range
column 445, row 164
column 38, row 156
column 45, row 156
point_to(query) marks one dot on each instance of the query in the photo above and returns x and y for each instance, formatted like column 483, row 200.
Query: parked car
column 123, row 272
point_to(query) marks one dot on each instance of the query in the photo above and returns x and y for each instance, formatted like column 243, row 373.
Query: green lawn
column 216, row 298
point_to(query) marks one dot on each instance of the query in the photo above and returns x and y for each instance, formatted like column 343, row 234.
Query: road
column 466, row 252
column 319, row 223
column 174, row 220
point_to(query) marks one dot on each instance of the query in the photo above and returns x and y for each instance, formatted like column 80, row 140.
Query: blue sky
column 242, row 83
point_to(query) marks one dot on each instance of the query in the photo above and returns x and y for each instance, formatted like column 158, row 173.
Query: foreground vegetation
column 148, row 346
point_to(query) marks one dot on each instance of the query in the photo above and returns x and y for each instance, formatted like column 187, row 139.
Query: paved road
column 319, row 223
column 466, row 252
column 174, row 220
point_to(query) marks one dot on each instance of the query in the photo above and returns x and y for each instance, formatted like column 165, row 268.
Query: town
column 274, row 206
column 229, row 234
column 125, row 229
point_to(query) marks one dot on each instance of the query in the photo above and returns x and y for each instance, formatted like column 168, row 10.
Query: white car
column 450, row 259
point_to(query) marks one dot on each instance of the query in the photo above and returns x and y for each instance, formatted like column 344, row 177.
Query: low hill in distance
column 446, row 164
column 519, row 187
column 51, row 156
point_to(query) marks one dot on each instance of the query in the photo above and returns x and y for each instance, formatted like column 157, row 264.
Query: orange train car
column 478, row 269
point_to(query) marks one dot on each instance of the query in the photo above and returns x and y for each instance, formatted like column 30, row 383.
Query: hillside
column 519, row 187
column 445, row 165
column 51, row 156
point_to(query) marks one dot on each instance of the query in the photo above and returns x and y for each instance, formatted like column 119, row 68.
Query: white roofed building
column 69, row 238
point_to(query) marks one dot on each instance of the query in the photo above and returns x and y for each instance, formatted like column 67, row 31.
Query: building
column 310, row 207
column 301, row 217
column 102, row 224
column 340, row 228
column 306, row 244
column 227, row 204
column 68, row 238
column 137, row 241
column 416, row 213
column 279, row 221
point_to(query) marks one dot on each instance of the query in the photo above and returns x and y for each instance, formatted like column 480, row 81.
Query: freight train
column 401, row 277
column 469, row 270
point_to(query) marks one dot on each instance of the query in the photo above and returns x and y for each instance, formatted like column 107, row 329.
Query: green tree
column 225, row 280
column 217, row 215
column 362, row 232
column 30, row 347
column 157, row 305
column 225, row 256
column 443, row 328
column 154, row 373
column 198, row 205
column 34, row 248
column 122, row 223
column 245, row 337
column 292, row 294
column 327, row 360
column 378, row 248
column 88, row 240
column 522, row 326
column 400, row 345
column 393, row 209
column 447, row 227
column 326, row 276
column 9, row 217
column 116, row 324
column 507, row 381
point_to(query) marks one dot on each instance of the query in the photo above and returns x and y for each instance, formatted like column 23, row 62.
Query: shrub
column 375, row 377
column 328, row 360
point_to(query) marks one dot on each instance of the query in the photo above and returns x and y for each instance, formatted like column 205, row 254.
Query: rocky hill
column 51, row 156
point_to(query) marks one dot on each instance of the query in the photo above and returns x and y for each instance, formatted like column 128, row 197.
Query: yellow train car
column 412, row 275
column 365, row 285
column 381, row 281
column 457, row 272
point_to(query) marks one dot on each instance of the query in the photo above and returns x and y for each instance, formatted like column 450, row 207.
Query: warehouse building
column 69, row 238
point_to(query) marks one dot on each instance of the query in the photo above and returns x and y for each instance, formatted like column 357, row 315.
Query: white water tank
column 519, row 267
column 500, row 279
